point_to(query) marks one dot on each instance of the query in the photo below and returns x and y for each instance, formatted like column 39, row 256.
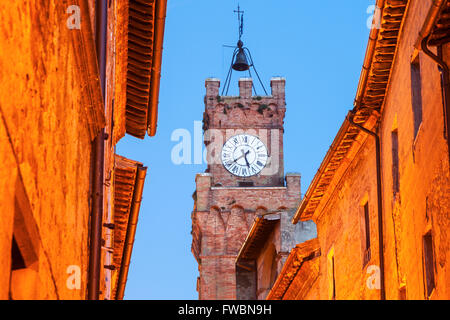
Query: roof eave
column 299, row 214
column 307, row 250
column 131, row 231
column 256, row 226
column 161, row 9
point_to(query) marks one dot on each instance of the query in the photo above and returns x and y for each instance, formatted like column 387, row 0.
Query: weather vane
column 240, row 21
column 241, row 57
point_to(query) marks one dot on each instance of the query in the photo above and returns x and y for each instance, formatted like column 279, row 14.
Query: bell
column 241, row 63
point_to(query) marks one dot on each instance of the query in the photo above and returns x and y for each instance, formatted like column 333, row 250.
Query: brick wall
column 223, row 211
column 224, row 223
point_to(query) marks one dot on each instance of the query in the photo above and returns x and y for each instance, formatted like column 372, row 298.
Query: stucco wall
column 44, row 143
column 423, row 202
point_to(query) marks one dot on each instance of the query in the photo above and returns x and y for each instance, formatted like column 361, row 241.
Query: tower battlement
column 277, row 85
column 246, row 110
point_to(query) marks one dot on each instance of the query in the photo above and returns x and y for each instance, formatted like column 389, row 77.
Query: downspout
column 161, row 8
column 428, row 25
column 445, row 84
column 131, row 231
column 98, row 154
column 380, row 204
column 422, row 44
column 446, row 90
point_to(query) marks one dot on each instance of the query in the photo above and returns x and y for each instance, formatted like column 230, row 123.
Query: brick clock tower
column 244, row 180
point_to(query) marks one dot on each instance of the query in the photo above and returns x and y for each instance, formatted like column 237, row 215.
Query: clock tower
column 244, row 180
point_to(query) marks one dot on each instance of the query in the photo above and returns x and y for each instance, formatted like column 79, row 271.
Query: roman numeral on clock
column 228, row 164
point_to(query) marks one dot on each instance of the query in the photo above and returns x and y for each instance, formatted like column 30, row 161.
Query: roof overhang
column 129, row 177
column 380, row 54
column 144, row 22
column 300, row 262
column 259, row 233
column 337, row 151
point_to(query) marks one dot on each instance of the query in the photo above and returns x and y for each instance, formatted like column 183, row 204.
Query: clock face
column 244, row 155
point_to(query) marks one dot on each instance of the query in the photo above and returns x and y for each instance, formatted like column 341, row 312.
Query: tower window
column 416, row 94
column 428, row 263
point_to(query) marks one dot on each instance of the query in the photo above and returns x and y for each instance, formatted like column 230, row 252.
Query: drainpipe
column 380, row 204
column 428, row 25
column 98, row 155
column 422, row 44
column 446, row 88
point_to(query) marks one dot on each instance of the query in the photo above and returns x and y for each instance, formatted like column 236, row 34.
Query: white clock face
column 244, row 155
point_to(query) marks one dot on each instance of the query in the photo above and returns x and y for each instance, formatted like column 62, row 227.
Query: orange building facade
column 381, row 197
column 74, row 78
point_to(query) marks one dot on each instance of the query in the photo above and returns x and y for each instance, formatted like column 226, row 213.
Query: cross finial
column 240, row 20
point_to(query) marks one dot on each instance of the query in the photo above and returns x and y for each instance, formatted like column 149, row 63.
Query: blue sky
column 318, row 46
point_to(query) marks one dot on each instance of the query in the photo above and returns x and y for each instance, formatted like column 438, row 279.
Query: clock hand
column 248, row 164
column 238, row 158
column 245, row 157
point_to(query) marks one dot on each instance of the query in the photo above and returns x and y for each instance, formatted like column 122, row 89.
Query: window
column 428, row 264
column 395, row 163
column 331, row 275
column 366, row 223
column 416, row 94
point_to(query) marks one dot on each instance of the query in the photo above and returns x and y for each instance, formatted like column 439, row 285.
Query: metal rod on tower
column 241, row 57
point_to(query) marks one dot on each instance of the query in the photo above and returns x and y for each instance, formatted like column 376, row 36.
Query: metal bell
column 241, row 63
